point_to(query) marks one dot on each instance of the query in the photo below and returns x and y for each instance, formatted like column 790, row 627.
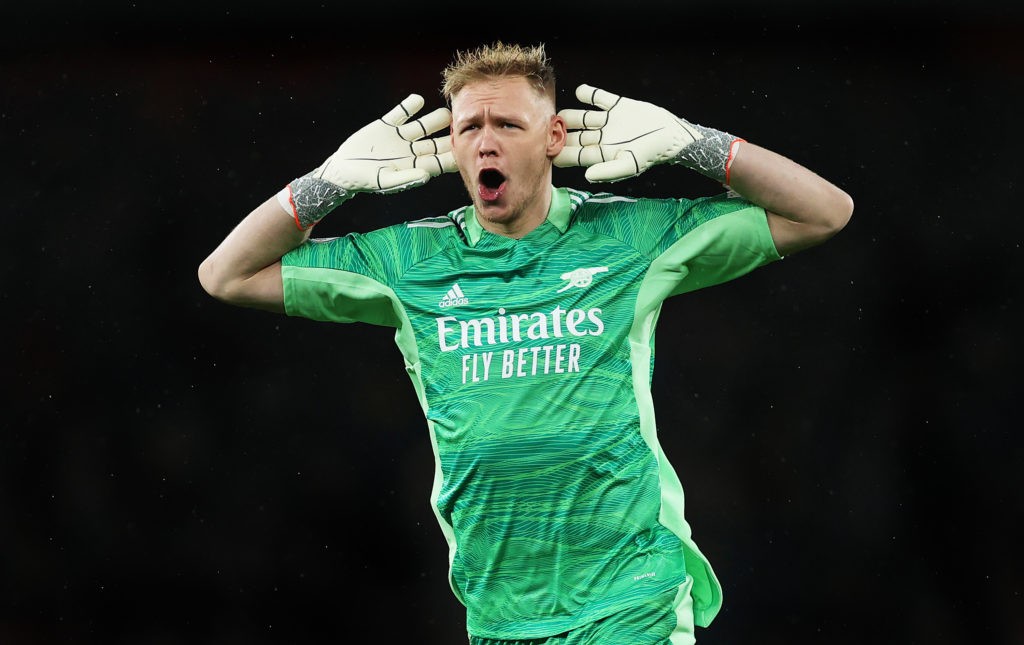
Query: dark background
column 174, row 470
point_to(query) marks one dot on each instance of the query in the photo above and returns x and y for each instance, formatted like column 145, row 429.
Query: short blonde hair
column 498, row 60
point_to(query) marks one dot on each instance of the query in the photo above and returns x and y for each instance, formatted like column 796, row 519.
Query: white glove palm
column 390, row 154
column 386, row 156
column 626, row 137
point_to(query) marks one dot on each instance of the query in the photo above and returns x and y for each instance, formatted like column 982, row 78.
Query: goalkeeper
column 526, row 321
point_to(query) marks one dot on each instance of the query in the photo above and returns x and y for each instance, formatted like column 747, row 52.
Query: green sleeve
column 722, row 248
column 344, row 279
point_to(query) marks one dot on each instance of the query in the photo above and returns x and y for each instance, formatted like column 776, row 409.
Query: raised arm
column 803, row 209
column 245, row 268
column 389, row 155
column 625, row 137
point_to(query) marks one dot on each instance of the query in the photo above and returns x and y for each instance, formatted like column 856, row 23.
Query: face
column 504, row 137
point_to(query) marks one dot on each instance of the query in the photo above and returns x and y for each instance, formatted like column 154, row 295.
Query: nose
column 488, row 142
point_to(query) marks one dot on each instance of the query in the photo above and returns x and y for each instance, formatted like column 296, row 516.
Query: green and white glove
column 626, row 137
column 386, row 156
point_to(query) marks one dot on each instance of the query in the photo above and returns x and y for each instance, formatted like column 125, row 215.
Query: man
column 526, row 321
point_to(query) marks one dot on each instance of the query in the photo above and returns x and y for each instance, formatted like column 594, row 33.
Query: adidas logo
column 453, row 298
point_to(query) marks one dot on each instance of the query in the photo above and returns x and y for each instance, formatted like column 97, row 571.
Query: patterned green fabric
column 532, row 360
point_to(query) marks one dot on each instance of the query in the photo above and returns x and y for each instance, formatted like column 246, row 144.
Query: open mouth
column 491, row 184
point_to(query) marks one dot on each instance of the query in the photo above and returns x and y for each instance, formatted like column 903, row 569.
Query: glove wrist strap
column 711, row 155
column 309, row 199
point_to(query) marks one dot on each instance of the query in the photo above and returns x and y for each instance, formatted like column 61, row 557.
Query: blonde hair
column 498, row 60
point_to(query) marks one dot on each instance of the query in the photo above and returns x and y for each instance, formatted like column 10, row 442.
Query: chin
column 491, row 212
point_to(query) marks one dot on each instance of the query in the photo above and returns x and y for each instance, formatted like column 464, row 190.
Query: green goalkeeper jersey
column 532, row 360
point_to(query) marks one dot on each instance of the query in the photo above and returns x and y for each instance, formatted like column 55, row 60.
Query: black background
column 174, row 470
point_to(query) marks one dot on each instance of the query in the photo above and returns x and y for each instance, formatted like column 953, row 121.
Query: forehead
column 507, row 93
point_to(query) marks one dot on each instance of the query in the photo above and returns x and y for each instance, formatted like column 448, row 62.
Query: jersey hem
column 545, row 628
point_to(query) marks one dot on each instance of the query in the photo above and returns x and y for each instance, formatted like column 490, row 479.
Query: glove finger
column 404, row 110
column 573, row 118
column 592, row 155
column 435, row 164
column 591, row 137
column 622, row 167
column 579, row 156
column 393, row 181
column 448, row 163
column 431, row 146
column 437, row 120
column 427, row 124
column 595, row 96
column 569, row 157
column 583, row 138
column 584, row 119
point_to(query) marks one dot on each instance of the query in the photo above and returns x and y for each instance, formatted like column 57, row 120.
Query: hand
column 626, row 137
column 386, row 156
column 390, row 154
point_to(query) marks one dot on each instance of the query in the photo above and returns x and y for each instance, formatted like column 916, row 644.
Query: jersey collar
column 559, row 214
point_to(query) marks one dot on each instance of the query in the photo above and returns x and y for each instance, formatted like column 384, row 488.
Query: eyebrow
column 508, row 116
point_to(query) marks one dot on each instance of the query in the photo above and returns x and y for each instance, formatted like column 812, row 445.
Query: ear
column 557, row 134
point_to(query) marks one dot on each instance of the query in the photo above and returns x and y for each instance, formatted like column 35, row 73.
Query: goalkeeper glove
column 386, row 156
column 626, row 137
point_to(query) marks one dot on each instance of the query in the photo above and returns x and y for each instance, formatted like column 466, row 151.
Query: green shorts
column 666, row 619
